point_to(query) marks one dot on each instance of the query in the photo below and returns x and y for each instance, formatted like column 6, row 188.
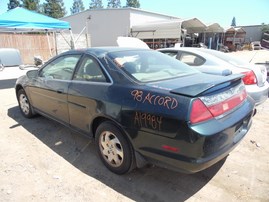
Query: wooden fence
column 31, row 45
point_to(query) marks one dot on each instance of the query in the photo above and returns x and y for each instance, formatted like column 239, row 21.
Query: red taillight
column 227, row 105
column 199, row 112
column 249, row 78
column 205, row 108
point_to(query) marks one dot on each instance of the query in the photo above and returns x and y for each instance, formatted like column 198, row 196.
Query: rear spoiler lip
column 199, row 89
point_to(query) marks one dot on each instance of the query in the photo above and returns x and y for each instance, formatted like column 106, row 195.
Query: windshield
column 148, row 65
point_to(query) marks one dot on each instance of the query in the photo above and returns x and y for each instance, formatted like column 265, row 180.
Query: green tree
column 54, row 8
column 133, row 3
column 77, row 7
column 96, row 4
column 31, row 4
column 233, row 24
column 265, row 28
column 13, row 4
column 113, row 4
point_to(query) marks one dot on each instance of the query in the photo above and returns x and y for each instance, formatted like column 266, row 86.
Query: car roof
column 101, row 51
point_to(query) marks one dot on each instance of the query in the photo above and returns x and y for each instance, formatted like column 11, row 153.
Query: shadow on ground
column 147, row 184
column 8, row 83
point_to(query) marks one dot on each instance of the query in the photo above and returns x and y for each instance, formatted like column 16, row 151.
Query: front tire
column 114, row 149
column 24, row 104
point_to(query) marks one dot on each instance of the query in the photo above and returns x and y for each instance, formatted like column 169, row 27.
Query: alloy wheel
column 111, row 149
column 24, row 104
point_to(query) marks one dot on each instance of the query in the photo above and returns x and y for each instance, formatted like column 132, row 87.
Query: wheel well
column 96, row 122
column 18, row 87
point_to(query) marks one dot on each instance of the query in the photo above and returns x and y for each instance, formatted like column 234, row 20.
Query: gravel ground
column 41, row 160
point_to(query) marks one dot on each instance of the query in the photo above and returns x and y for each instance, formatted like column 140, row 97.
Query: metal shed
column 168, row 28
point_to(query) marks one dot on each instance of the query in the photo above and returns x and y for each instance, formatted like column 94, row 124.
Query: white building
column 253, row 32
column 105, row 25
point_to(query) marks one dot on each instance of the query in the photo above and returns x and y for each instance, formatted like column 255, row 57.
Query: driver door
column 49, row 94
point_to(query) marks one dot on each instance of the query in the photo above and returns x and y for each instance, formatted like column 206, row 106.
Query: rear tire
column 113, row 148
column 24, row 104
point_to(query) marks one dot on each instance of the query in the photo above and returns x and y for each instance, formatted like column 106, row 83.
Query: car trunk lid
column 197, row 84
column 212, row 96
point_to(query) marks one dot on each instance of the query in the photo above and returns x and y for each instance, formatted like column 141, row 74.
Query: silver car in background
column 216, row 62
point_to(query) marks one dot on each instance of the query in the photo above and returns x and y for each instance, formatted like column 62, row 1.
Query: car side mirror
column 32, row 74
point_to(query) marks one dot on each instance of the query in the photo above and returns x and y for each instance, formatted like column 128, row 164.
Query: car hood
column 131, row 42
column 195, row 84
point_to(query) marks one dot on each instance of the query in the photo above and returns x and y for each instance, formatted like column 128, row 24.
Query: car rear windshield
column 149, row 65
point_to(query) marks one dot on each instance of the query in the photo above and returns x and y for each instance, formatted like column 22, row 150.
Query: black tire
column 24, row 104
column 113, row 148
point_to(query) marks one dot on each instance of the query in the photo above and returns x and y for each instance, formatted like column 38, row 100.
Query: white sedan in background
column 216, row 62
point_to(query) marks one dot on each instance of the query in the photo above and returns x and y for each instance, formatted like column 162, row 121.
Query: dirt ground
column 41, row 160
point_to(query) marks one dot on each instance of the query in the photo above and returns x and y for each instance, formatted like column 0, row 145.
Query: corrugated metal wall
column 29, row 45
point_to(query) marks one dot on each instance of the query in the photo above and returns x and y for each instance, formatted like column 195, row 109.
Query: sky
column 246, row 12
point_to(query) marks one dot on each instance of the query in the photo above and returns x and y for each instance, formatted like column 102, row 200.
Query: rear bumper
column 213, row 149
column 258, row 94
column 200, row 146
column 192, row 166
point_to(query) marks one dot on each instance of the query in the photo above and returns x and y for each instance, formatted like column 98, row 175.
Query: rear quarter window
column 191, row 59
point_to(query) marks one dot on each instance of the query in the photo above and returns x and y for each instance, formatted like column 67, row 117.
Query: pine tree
column 77, row 7
column 233, row 24
column 13, row 4
column 113, row 4
column 31, row 4
column 133, row 3
column 54, row 8
column 96, row 4
column 265, row 28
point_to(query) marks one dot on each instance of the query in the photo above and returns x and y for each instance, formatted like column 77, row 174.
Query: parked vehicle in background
column 256, row 45
column 140, row 106
column 10, row 57
column 216, row 62
column 2, row 67
column 199, row 45
column 265, row 40
column 223, row 48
